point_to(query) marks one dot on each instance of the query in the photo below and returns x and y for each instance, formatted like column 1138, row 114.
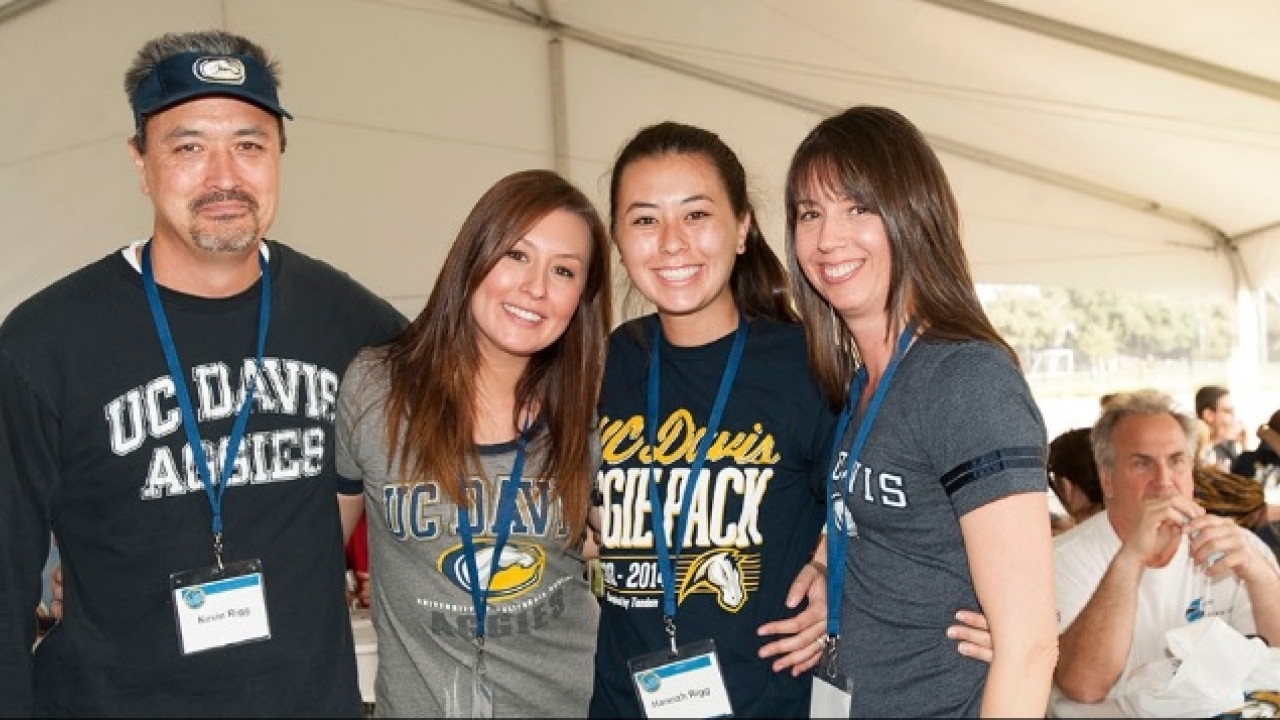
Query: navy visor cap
column 188, row 76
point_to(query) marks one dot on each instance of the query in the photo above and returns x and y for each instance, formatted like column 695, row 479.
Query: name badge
column 831, row 696
column 689, row 684
column 220, row 606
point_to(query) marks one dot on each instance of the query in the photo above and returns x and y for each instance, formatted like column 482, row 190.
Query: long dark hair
column 431, row 405
column 878, row 157
column 759, row 280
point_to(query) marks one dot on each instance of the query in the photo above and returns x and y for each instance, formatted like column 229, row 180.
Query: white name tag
column 689, row 684
column 216, row 607
column 830, row 699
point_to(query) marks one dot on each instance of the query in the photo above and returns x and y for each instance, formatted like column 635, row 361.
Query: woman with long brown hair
column 472, row 436
column 940, row 494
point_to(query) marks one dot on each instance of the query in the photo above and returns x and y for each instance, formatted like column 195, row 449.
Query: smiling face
column 679, row 238
column 527, row 300
column 212, row 169
column 843, row 250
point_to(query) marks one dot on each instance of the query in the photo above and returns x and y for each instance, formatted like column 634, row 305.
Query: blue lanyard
column 506, row 516
column 657, row 512
column 836, row 537
column 184, row 398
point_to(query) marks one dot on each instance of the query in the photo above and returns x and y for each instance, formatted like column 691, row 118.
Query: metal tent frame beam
column 1221, row 242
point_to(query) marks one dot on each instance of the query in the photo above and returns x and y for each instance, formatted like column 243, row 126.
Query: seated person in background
column 1203, row 435
column 1216, row 408
column 1073, row 476
column 1154, row 559
column 1263, row 462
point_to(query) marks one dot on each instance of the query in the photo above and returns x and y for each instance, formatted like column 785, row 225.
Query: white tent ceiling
column 1092, row 143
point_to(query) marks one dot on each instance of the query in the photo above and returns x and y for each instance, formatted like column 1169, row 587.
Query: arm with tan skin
column 1010, row 553
column 1094, row 649
column 1211, row 535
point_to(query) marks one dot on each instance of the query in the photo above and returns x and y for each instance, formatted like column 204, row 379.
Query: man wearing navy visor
column 166, row 414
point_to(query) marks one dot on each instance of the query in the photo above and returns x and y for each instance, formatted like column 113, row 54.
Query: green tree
column 1028, row 319
column 1101, row 325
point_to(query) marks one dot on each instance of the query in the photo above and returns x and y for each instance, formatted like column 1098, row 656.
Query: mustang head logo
column 719, row 572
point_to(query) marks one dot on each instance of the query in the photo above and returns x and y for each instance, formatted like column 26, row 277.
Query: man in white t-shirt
column 1154, row 560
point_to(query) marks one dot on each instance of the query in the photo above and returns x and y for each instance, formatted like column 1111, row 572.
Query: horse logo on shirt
column 718, row 572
